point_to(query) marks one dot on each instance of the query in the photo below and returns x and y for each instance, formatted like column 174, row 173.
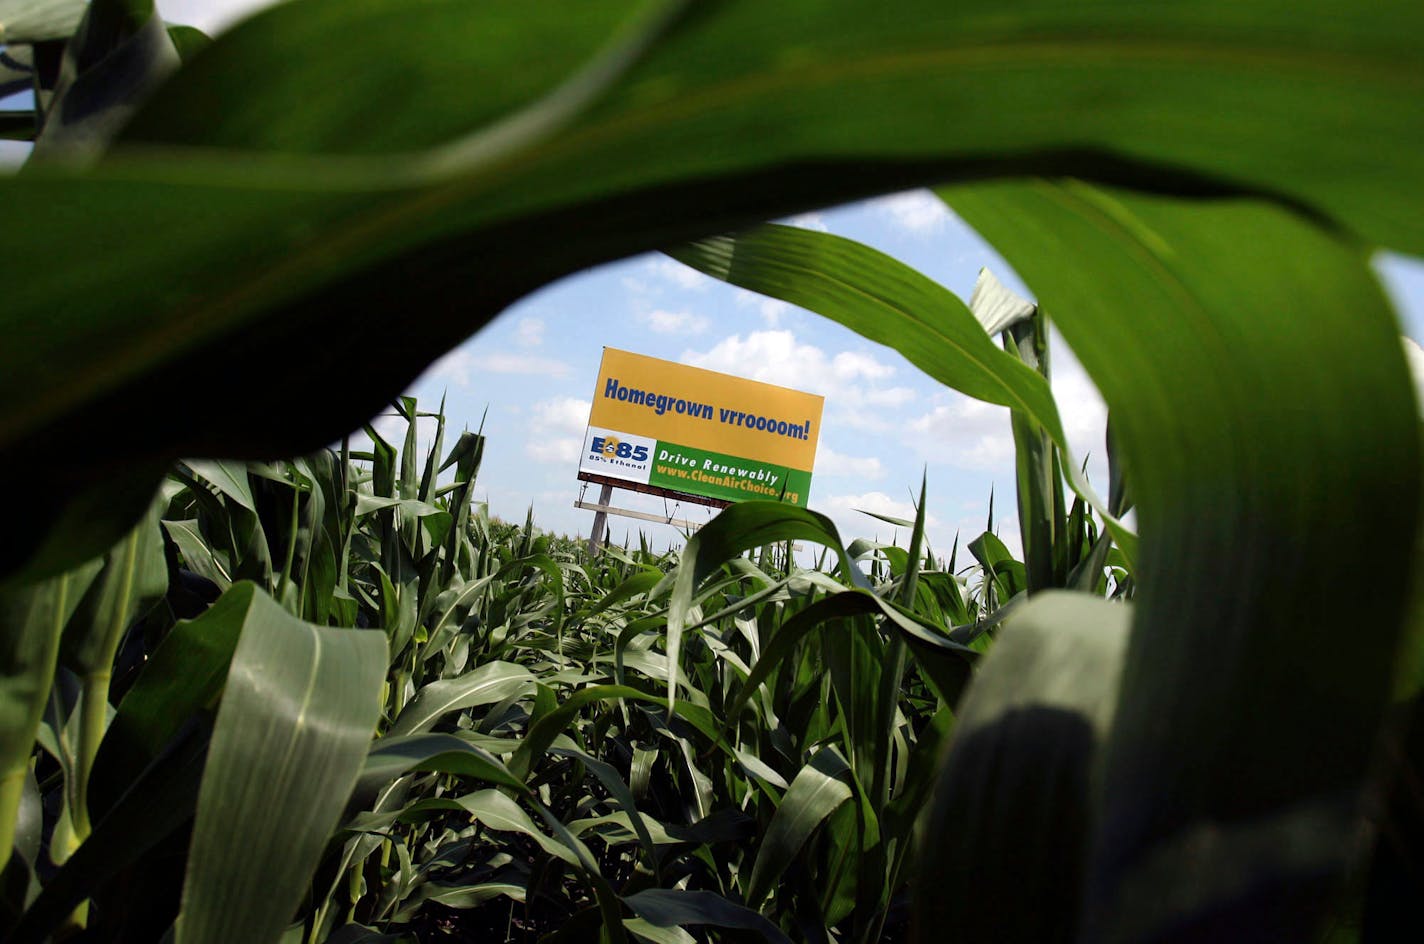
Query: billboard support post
column 600, row 520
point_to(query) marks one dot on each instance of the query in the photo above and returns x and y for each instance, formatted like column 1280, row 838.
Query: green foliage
column 639, row 745
column 522, row 697
column 300, row 220
column 278, row 770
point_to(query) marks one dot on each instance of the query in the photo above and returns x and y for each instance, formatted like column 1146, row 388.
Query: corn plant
column 525, row 692
column 1191, row 192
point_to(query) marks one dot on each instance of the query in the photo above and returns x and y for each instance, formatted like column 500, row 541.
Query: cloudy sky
column 885, row 422
column 884, row 425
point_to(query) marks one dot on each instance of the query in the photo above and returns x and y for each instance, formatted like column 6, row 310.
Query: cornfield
column 250, row 697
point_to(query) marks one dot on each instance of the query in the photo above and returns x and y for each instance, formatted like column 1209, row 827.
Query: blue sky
column 885, row 422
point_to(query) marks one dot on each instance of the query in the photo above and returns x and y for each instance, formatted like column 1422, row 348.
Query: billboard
column 698, row 432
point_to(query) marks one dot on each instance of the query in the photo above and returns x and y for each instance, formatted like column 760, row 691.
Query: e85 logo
column 611, row 448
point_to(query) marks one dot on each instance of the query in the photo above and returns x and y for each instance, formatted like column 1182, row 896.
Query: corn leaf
column 32, row 621
column 738, row 529
column 892, row 304
column 670, row 907
column 157, row 803
column 1013, row 807
column 1263, row 412
column 997, row 307
column 297, row 714
column 183, row 678
column 392, row 756
column 295, row 219
column 490, row 683
column 818, row 791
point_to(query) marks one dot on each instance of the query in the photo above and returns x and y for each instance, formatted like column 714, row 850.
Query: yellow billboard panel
column 699, row 431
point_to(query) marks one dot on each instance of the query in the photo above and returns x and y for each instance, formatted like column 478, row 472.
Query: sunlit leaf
column 297, row 714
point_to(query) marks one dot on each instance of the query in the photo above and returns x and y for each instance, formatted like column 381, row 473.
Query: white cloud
column 830, row 462
column 971, row 434
column 530, row 332
column 769, row 356
column 777, row 357
column 453, row 367
column 674, row 322
column 683, row 277
column 561, row 414
column 890, row 396
column 636, row 286
column 770, row 309
column 849, row 365
column 918, row 211
column 1081, row 406
column 1084, row 414
column 509, row 363
column 965, row 433
column 461, row 364
column 564, row 449
column 813, row 221
column 555, row 430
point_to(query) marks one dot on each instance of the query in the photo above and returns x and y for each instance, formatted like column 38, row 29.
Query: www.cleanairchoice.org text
column 751, row 486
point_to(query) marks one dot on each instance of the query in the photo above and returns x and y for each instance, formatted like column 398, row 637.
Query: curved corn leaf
column 32, row 621
column 890, row 303
column 119, row 52
column 229, row 478
column 297, row 714
column 737, row 529
column 613, row 783
column 879, row 298
column 187, row 41
column 816, row 792
column 636, row 584
column 1263, row 411
column 409, row 507
column 157, row 803
column 490, row 683
column 295, row 219
column 133, row 580
column 946, row 663
column 547, row 727
column 183, row 677
column 672, row 907
column 392, row 756
column 460, row 896
column 360, row 934
column 645, row 930
column 498, row 812
column 1012, row 807
column 612, row 930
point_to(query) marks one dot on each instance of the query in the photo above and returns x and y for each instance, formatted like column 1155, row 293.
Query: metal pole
column 600, row 521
